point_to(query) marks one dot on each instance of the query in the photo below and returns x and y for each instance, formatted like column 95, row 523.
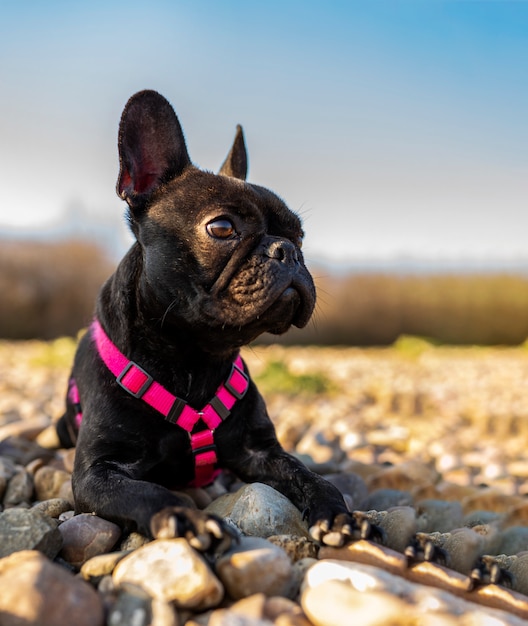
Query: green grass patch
column 278, row 378
column 54, row 354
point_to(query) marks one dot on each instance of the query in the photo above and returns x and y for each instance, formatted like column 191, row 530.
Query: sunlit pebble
column 447, row 462
column 492, row 471
column 352, row 440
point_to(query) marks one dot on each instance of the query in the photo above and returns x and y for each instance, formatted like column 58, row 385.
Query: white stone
column 170, row 570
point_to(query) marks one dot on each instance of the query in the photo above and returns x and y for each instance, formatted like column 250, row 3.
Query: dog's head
column 220, row 257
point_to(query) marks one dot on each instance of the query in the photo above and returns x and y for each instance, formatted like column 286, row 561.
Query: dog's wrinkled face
column 219, row 254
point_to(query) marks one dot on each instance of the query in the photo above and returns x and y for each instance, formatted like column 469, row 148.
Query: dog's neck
column 173, row 354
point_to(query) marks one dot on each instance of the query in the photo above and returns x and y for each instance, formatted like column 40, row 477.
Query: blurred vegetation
column 277, row 377
column 49, row 290
column 452, row 308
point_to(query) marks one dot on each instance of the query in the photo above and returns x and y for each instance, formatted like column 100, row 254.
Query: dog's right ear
column 151, row 146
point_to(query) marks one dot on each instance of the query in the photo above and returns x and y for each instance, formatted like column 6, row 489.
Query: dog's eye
column 220, row 229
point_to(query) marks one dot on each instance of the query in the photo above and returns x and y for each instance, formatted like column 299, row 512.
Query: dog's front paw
column 336, row 531
column 207, row 533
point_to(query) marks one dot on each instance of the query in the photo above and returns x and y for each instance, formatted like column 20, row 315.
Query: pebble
column 394, row 445
column 85, row 536
column 19, row 489
column 438, row 515
column 296, row 548
column 38, row 592
column 54, row 507
column 384, row 499
column 398, row 524
column 255, row 565
column 28, row 529
column 52, row 483
column 258, row 510
column 101, row 565
column 333, row 591
column 176, row 573
column 334, row 602
column 351, row 485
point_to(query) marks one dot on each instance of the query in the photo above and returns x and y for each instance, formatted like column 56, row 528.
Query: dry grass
column 49, row 291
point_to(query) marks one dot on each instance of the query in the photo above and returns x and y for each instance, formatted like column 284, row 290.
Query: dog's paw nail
column 215, row 528
column 334, row 539
column 200, row 542
column 316, row 532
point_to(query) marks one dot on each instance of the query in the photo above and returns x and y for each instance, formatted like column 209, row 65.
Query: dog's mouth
column 293, row 306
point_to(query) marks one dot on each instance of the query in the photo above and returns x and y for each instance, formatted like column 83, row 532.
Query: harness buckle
column 236, row 371
column 145, row 385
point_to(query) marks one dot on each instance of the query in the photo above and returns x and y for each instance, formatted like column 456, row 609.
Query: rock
column 19, row 489
column 513, row 540
column 352, row 485
column 133, row 540
column 296, row 548
column 27, row 529
column 248, row 610
column 258, row 610
column 405, row 476
column 54, row 507
column 7, row 471
column 48, row 437
column 439, row 516
column 102, row 565
column 398, row 524
column 176, row 573
column 254, row 566
column 163, row 614
column 460, row 547
column 133, row 606
column 22, row 451
column 383, row 499
column 85, row 536
column 260, row 511
column 36, row 592
column 49, row 482
column 336, row 603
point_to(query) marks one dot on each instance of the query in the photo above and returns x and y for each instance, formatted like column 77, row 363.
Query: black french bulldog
column 216, row 263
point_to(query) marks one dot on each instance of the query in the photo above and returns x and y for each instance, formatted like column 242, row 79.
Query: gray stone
column 132, row 607
column 383, row 499
column 260, row 511
column 398, row 524
column 438, row 515
column 19, row 489
column 351, row 485
column 27, row 529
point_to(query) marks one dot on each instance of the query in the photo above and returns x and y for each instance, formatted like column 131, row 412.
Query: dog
column 159, row 397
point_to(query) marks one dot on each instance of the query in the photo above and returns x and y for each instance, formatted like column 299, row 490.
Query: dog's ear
column 236, row 161
column 151, row 147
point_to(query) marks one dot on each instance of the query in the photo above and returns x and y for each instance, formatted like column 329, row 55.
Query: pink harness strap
column 137, row 382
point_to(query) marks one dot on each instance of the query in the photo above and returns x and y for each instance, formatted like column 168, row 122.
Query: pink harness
column 137, row 382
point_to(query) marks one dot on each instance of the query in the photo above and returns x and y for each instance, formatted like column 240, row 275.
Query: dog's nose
column 282, row 250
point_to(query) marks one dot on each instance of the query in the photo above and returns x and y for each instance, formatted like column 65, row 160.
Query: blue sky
column 395, row 128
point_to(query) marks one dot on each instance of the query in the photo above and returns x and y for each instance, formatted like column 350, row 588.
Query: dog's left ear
column 236, row 161
column 151, row 146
